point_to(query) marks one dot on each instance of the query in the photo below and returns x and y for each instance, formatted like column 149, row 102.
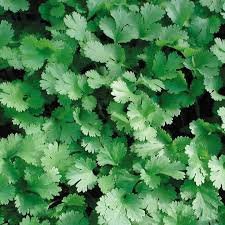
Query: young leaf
column 6, row 33
column 180, row 11
column 20, row 5
column 81, row 174
column 77, row 25
column 217, row 174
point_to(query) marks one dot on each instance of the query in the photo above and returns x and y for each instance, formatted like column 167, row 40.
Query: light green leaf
column 217, row 174
column 77, row 25
column 81, row 175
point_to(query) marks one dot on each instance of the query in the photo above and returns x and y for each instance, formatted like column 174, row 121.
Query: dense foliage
column 112, row 112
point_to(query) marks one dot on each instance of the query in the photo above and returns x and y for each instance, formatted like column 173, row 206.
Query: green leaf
column 20, row 5
column 30, row 203
column 106, row 183
column 196, row 169
column 206, row 204
column 145, row 149
column 58, row 156
column 148, row 21
column 179, row 213
column 72, row 85
column 121, row 27
column 35, row 52
column 161, row 165
column 153, row 84
column 121, row 92
column 96, row 52
column 95, row 80
column 94, row 6
column 202, row 29
column 219, row 49
column 180, row 11
column 116, row 204
column 6, row 33
column 9, row 146
column 31, row 149
column 91, row 144
column 112, row 152
column 77, row 25
column 74, row 200
column 217, row 171
column 12, row 56
column 33, row 221
column 20, row 95
column 82, row 175
column 176, row 85
column 66, row 130
column 7, row 191
column 72, row 218
column 46, row 185
column 166, row 68
column 53, row 72
column 221, row 113
column 119, row 116
column 172, row 36
column 204, row 63
column 147, row 134
column 176, row 149
column 144, row 113
column 213, row 5
column 89, row 122
column 89, row 102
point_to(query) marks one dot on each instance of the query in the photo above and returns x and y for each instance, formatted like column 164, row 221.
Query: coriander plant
column 112, row 112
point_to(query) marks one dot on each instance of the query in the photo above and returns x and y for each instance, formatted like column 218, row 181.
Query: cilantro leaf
column 47, row 183
column 217, row 171
column 166, row 68
column 145, row 149
column 111, row 153
column 121, row 92
column 7, row 191
column 206, row 204
column 218, row 49
column 179, row 213
column 34, row 52
column 52, row 73
column 172, row 36
column 180, row 11
column 96, row 51
column 30, row 203
column 89, row 122
column 95, row 80
column 14, row 6
column 54, row 155
column 116, row 205
column 161, row 165
column 77, row 25
column 33, row 221
column 203, row 29
column 6, row 33
column 213, row 5
column 72, row 85
column 196, row 169
column 121, row 27
column 221, row 113
column 82, row 175
column 20, row 95
column 148, row 22
column 72, row 218
column 119, row 116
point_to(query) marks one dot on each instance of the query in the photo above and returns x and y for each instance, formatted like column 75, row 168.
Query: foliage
column 112, row 112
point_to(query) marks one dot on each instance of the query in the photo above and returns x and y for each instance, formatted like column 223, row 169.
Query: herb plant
column 112, row 112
